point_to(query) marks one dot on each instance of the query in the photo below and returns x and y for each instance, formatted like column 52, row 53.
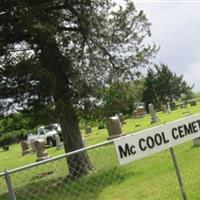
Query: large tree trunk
column 79, row 164
column 60, row 66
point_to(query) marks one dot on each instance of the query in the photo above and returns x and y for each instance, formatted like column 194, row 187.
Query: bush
column 13, row 137
column 101, row 125
column 8, row 138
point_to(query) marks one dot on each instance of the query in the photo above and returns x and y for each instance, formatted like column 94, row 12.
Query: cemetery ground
column 150, row 178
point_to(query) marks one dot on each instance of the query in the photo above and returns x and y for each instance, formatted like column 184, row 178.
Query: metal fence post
column 180, row 181
column 10, row 186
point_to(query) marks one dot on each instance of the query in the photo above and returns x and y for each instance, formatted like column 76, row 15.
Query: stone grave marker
column 88, row 129
column 152, row 111
column 33, row 149
column 42, row 153
column 168, row 107
column 58, row 142
column 114, row 127
column 134, row 114
column 164, row 108
column 196, row 142
column 140, row 111
column 25, row 147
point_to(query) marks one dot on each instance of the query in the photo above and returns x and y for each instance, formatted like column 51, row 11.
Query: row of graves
column 38, row 147
column 114, row 124
column 114, row 128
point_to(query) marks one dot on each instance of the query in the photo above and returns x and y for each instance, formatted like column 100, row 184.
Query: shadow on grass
column 87, row 187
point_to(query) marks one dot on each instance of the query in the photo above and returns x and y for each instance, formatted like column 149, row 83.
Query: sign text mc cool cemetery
column 147, row 142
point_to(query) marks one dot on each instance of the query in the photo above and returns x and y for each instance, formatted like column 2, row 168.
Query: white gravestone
column 168, row 107
column 58, row 142
column 152, row 111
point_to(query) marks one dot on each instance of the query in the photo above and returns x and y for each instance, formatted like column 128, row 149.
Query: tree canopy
column 121, row 96
column 162, row 85
column 90, row 43
column 59, row 52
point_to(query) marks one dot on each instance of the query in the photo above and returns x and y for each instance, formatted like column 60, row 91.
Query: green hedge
column 14, row 136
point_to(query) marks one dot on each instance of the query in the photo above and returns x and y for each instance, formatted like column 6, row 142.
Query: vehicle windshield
column 49, row 128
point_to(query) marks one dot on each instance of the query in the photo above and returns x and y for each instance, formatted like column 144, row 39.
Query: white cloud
column 176, row 27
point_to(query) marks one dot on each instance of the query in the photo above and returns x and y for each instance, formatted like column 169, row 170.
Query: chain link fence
column 151, row 178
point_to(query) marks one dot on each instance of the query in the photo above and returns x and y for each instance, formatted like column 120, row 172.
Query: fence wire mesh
column 149, row 178
column 3, row 189
column 188, row 158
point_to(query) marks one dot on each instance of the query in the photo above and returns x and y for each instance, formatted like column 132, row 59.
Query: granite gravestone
column 113, row 125
column 41, row 152
column 139, row 112
column 25, row 147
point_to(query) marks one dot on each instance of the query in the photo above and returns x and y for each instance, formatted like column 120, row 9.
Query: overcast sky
column 176, row 28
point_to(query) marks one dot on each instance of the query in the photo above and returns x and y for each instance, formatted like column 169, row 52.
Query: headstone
column 58, row 142
column 25, row 147
column 88, row 130
column 139, row 112
column 114, row 127
column 152, row 111
column 164, row 108
column 168, row 107
column 42, row 153
column 193, row 103
column 134, row 114
column 121, row 118
column 33, row 149
column 196, row 142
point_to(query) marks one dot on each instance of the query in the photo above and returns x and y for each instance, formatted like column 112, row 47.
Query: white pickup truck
column 47, row 133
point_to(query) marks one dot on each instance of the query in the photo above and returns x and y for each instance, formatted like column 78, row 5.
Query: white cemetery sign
column 150, row 141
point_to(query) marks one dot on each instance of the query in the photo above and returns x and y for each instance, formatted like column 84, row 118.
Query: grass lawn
column 151, row 178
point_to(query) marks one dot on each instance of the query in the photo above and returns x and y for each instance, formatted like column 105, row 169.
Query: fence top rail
column 55, row 158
